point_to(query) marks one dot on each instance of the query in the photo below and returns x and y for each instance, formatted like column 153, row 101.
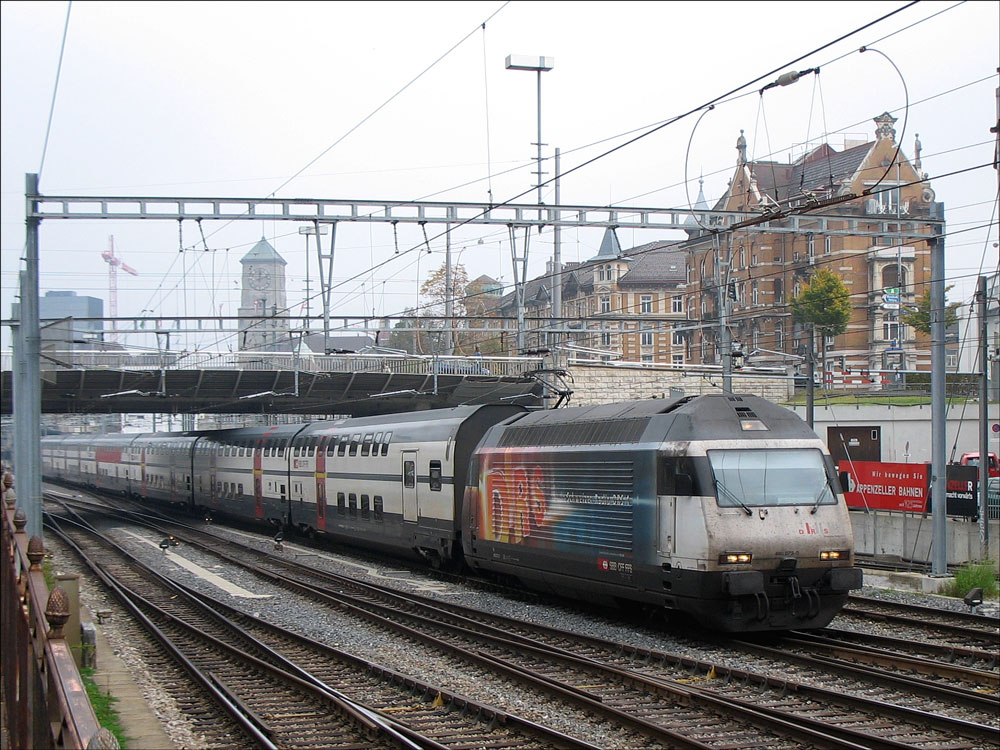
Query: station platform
column 143, row 728
column 918, row 583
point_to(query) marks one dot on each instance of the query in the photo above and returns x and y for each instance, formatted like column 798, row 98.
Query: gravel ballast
column 358, row 638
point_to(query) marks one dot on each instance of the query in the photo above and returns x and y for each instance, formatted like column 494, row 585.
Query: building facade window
column 893, row 276
column 646, row 336
column 677, row 304
column 646, row 303
column 677, row 359
column 606, row 304
column 890, row 330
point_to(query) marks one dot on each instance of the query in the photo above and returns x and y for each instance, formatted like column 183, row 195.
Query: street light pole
column 538, row 64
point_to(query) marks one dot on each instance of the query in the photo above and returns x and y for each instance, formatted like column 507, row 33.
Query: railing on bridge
column 287, row 361
column 45, row 701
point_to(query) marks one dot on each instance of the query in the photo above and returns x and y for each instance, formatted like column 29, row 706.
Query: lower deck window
column 377, row 503
column 435, row 476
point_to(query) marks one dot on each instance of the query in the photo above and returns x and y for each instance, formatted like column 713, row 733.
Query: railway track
column 693, row 728
column 281, row 683
column 959, row 629
column 613, row 675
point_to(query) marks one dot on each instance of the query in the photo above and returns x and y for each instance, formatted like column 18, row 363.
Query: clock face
column 258, row 277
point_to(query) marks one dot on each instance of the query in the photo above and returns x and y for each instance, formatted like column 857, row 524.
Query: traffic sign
column 890, row 305
column 890, row 298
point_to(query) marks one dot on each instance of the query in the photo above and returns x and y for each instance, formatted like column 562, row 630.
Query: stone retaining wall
column 602, row 384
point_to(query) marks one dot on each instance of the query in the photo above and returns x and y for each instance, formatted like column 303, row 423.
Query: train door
column 665, row 524
column 409, row 459
column 258, row 482
column 142, row 470
column 213, row 472
column 321, row 485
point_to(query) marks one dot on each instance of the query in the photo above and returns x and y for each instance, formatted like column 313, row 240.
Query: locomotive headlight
column 739, row 558
column 834, row 554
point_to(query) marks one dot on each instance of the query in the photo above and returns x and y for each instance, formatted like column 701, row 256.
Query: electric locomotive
column 724, row 507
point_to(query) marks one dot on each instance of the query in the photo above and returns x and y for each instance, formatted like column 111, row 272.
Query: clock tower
column 263, row 303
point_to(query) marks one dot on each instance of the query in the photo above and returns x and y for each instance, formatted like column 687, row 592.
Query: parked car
column 992, row 465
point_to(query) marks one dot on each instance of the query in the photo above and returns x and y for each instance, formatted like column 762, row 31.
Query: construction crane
column 114, row 262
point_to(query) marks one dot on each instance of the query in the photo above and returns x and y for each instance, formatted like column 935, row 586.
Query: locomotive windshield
column 754, row 478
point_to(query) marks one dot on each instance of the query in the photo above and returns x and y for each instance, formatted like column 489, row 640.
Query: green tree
column 824, row 305
column 434, row 293
column 920, row 317
column 402, row 336
column 480, row 301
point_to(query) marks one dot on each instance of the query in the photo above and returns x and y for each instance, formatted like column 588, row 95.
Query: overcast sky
column 234, row 99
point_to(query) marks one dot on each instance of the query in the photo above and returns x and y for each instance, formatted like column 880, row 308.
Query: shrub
column 104, row 707
column 975, row 575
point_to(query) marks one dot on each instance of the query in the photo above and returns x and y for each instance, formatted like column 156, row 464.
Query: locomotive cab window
column 677, row 476
column 755, row 478
column 435, row 476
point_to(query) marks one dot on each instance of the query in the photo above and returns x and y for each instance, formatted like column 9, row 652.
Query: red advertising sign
column 884, row 486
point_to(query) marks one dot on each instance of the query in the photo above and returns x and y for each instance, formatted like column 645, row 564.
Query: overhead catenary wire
column 55, row 91
column 674, row 119
column 710, row 288
column 383, row 105
column 679, row 117
column 896, row 32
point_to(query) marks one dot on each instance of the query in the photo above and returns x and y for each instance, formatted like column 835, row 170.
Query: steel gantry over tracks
column 333, row 211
